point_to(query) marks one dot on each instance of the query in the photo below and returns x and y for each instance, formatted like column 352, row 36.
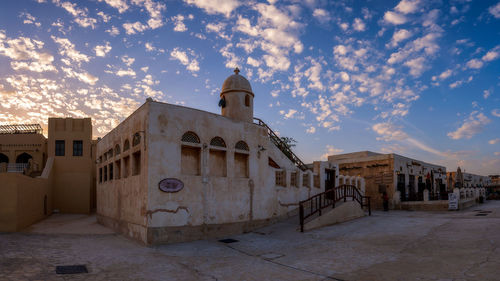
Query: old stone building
column 39, row 174
column 404, row 179
column 171, row 173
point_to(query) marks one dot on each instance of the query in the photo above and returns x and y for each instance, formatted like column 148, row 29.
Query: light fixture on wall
column 261, row 148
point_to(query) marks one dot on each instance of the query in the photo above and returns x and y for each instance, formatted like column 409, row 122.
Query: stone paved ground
column 397, row 245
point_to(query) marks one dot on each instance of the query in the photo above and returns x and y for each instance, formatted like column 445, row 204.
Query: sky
column 420, row 78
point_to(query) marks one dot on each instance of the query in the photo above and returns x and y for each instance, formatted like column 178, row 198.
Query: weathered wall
column 23, row 199
column 122, row 201
column 211, row 198
column 73, row 182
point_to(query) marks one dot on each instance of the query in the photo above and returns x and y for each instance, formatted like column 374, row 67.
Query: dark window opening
column 110, row 168
column 60, row 147
column 247, row 100
column 137, row 163
column 77, row 148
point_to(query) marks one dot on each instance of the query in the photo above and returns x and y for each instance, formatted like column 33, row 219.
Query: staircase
column 282, row 145
column 316, row 205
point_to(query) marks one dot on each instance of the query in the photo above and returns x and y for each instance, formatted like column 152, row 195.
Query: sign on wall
column 452, row 201
column 170, row 185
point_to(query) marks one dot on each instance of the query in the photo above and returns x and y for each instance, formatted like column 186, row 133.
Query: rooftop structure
column 21, row 129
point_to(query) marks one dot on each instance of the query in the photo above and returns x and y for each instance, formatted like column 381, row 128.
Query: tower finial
column 236, row 70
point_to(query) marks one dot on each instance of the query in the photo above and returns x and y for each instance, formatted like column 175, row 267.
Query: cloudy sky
column 419, row 78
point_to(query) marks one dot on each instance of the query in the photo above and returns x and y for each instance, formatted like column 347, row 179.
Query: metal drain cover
column 481, row 215
column 228, row 240
column 71, row 269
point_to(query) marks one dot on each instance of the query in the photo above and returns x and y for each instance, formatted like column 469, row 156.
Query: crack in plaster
column 151, row 212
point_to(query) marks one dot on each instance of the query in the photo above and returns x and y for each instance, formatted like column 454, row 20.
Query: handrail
column 282, row 145
column 318, row 202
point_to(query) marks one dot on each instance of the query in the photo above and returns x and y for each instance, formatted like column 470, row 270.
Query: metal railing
column 16, row 167
column 316, row 204
column 282, row 145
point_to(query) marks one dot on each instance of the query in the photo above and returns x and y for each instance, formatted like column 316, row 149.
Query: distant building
column 39, row 174
column 403, row 178
column 461, row 179
column 170, row 173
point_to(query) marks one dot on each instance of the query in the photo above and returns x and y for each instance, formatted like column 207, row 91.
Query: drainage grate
column 229, row 240
column 481, row 215
column 71, row 269
column 485, row 212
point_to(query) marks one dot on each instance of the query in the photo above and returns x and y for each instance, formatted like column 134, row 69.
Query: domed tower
column 237, row 98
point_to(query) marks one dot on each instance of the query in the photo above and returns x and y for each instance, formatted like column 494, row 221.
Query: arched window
column 126, row 145
column 4, row 158
column 190, row 137
column 190, row 155
column 117, row 149
column 217, row 158
column 136, row 140
column 218, row 141
column 241, row 145
column 23, row 158
column 247, row 100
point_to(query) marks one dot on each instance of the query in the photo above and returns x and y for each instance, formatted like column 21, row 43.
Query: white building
column 170, row 173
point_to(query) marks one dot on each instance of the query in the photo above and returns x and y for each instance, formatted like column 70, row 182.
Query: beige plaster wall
column 73, row 180
column 22, row 200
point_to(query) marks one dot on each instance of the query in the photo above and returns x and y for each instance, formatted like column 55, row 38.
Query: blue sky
column 415, row 77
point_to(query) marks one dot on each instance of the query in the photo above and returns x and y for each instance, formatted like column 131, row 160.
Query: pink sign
column 170, row 185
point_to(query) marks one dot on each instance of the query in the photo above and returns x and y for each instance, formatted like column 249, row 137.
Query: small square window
column 77, row 148
column 60, row 147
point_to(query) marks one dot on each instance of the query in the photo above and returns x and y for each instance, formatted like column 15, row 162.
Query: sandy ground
column 395, row 245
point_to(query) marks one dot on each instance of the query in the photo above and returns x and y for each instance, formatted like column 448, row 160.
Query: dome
column 236, row 83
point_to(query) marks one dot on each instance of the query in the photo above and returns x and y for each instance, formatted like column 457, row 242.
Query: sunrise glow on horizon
column 419, row 78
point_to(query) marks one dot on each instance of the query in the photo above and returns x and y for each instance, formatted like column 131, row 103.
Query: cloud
column 475, row 64
column 407, row 6
column 491, row 55
column 67, row 49
column 80, row 15
column 224, row 7
column 127, row 60
column 394, row 18
column 120, row 5
column 495, row 112
column 29, row 19
column 399, row 36
column 179, row 23
column 289, row 114
column 125, row 72
column 471, row 126
column 102, row 50
column 494, row 141
column 311, row 130
column 323, row 16
column 495, row 10
column 358, row 24
column 26, row 54
column 113, row 31
column 330, row 150
column 182, row 56
column 417, row 66
column 82, row 76
column 389, row 132
column 133, row 28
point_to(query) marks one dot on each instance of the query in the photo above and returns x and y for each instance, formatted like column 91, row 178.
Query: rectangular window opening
column 77, row 148
column 60, row 148
column 137, row 163
column 126, row 166
column 117, row 169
